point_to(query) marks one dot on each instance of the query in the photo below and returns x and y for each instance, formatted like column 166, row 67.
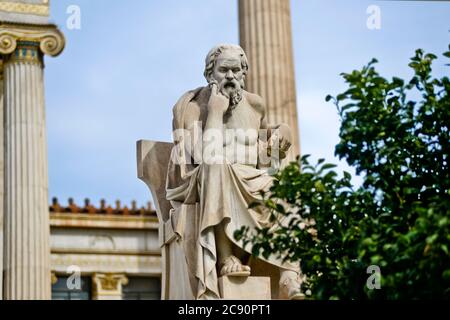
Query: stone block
column 245, row 288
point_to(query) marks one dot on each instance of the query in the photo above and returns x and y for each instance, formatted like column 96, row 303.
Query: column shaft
column 265, row 36
column 27, row 250
column 2, row 177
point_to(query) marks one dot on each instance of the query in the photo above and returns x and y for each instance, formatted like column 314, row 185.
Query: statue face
column 229, row 75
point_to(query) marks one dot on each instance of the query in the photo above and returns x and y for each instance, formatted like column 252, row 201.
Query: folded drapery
column 208, row 195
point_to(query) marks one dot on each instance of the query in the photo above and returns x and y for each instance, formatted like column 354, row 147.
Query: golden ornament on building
column 51, row 41
column 25, row 8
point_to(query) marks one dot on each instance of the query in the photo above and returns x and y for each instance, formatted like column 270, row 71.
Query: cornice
column 39, row 9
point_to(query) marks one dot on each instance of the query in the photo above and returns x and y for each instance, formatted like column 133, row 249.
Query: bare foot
column 233, row 267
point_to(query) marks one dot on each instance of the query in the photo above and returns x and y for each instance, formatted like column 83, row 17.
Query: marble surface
column 245, row 288
column 25, row 11
column 216, row 168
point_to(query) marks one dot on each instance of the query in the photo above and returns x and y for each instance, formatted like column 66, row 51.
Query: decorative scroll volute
column 51, row 40
column 8, row 43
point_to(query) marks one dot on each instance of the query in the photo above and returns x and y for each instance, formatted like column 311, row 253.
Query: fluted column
column 27, row 229
column 2, row 166
column 266, row 37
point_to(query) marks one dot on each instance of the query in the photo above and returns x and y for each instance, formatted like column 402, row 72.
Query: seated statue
column 221, row 161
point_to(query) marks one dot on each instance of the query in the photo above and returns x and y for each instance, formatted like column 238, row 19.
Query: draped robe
column 207, row 195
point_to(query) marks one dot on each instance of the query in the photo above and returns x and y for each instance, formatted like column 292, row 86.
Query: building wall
column 111, row 255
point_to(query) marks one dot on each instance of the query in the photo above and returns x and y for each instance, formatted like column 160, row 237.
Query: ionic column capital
column 51, row 41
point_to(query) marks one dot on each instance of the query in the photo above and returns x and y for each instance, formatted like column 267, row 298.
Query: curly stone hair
column 211, row 58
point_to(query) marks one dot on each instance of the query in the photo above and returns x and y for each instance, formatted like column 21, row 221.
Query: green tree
column 398, row 220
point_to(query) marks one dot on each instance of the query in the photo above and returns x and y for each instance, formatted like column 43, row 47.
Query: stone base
column 245, row 288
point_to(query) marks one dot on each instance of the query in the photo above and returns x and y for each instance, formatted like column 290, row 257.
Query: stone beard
column 232, row 89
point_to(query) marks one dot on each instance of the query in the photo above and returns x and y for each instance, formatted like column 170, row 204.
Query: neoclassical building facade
column 57, row 252
column 114, row 250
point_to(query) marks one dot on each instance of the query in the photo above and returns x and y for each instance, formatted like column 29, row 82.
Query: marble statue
column 221, row 160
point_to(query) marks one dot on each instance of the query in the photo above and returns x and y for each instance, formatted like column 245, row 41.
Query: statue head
column 227, row 66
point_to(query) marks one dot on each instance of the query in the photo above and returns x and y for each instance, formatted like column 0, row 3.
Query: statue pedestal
column 245, row 288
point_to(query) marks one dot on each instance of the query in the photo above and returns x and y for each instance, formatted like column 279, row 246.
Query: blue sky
column 122, row 72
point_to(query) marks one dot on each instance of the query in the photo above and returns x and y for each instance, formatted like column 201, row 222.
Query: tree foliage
column 398, row 220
